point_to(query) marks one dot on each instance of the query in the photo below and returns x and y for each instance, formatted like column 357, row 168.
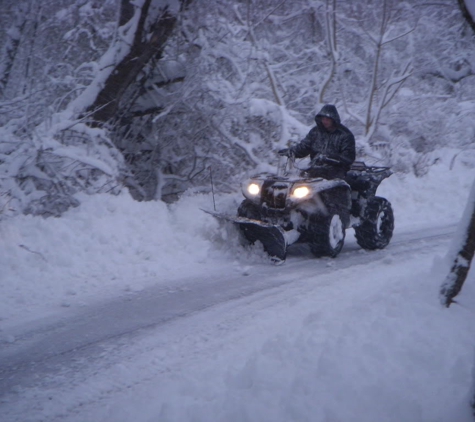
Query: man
column 331, row 146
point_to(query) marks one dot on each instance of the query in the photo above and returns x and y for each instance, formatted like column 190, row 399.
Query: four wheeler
column 281, row 210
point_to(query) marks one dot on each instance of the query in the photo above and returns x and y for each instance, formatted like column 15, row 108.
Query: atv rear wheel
column 377, row 227
column 328, row 236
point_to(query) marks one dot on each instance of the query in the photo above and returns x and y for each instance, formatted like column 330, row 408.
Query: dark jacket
column 338, row 145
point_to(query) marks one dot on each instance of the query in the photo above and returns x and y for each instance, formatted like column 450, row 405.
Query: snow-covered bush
column 40, row 175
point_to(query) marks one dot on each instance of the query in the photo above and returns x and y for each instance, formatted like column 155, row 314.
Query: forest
column 154, row 96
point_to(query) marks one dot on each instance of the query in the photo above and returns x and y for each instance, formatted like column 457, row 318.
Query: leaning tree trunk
column 10, row 48
column 149, row 41
column 469, row 15
column 144, row 28
column 464, row 249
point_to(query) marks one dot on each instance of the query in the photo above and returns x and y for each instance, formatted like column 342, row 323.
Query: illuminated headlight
column 253, row 189
column 301, row 192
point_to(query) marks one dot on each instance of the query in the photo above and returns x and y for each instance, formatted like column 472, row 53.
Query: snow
column 392, row 356
column 367, row 342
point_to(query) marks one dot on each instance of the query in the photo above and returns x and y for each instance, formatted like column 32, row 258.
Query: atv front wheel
column 328, row 236
column 377, row 227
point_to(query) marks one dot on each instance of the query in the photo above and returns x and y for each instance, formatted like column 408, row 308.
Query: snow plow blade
column 270, row 235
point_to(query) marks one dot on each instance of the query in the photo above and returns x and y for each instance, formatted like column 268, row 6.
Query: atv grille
column 274, row 195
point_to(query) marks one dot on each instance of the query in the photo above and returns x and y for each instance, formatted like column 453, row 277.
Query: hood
column 328, row 110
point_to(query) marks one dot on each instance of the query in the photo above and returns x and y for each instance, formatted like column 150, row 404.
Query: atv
column 302, row 207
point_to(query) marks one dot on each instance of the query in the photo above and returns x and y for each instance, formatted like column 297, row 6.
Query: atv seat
column 365, row 179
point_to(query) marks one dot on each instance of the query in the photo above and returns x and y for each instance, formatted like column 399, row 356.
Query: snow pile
column 110, row 244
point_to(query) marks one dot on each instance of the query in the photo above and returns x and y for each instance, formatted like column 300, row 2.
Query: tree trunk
column 147, row 44
column 10, row 48
column 465, row 251
column 466, row 14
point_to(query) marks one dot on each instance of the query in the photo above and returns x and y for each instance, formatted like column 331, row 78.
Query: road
column 191, row 321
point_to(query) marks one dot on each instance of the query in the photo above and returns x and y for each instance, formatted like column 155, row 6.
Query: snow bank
column 436, row 199
column 110, row 244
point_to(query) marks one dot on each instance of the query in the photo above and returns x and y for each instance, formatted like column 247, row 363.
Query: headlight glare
column 301, row 192
column 253, row 188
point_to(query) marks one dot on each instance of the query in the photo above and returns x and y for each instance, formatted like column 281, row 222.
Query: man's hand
column 286, row 152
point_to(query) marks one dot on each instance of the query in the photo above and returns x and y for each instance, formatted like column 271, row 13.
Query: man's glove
column 286, row 152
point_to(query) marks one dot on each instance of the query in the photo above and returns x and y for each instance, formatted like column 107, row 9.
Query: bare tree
column 382, row 25
column 331, row 29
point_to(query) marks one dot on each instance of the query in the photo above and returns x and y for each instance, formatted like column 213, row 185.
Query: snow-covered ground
column 370, row 343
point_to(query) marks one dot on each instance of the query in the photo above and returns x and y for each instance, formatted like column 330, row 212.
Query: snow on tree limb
column 107, row 63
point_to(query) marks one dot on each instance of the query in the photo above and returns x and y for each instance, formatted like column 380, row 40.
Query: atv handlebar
column 321, row 159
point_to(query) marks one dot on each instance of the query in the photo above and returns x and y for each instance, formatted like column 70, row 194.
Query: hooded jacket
column 338, row 144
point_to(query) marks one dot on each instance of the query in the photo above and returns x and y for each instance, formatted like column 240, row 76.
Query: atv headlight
column 253, row 189
column 301, row 192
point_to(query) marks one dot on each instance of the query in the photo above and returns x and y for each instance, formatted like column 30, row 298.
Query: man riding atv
column 331, row 146
column 317, row 205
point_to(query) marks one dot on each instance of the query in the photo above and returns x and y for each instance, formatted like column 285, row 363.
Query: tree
column 141, row 36
column 10, row 49
column 98, row 95
column 45, row 163
column 463, row 247
column 54, row 117
column 144, row 28
column 385, row 22
column 243, row 70
column 468, row 10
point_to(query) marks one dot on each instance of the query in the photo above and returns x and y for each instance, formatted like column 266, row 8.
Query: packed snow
column 370, row 343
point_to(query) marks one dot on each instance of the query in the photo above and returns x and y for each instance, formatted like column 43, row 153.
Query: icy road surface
column 311, row 340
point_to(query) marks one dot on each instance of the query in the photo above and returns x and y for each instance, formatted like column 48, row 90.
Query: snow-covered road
column 257, row 342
